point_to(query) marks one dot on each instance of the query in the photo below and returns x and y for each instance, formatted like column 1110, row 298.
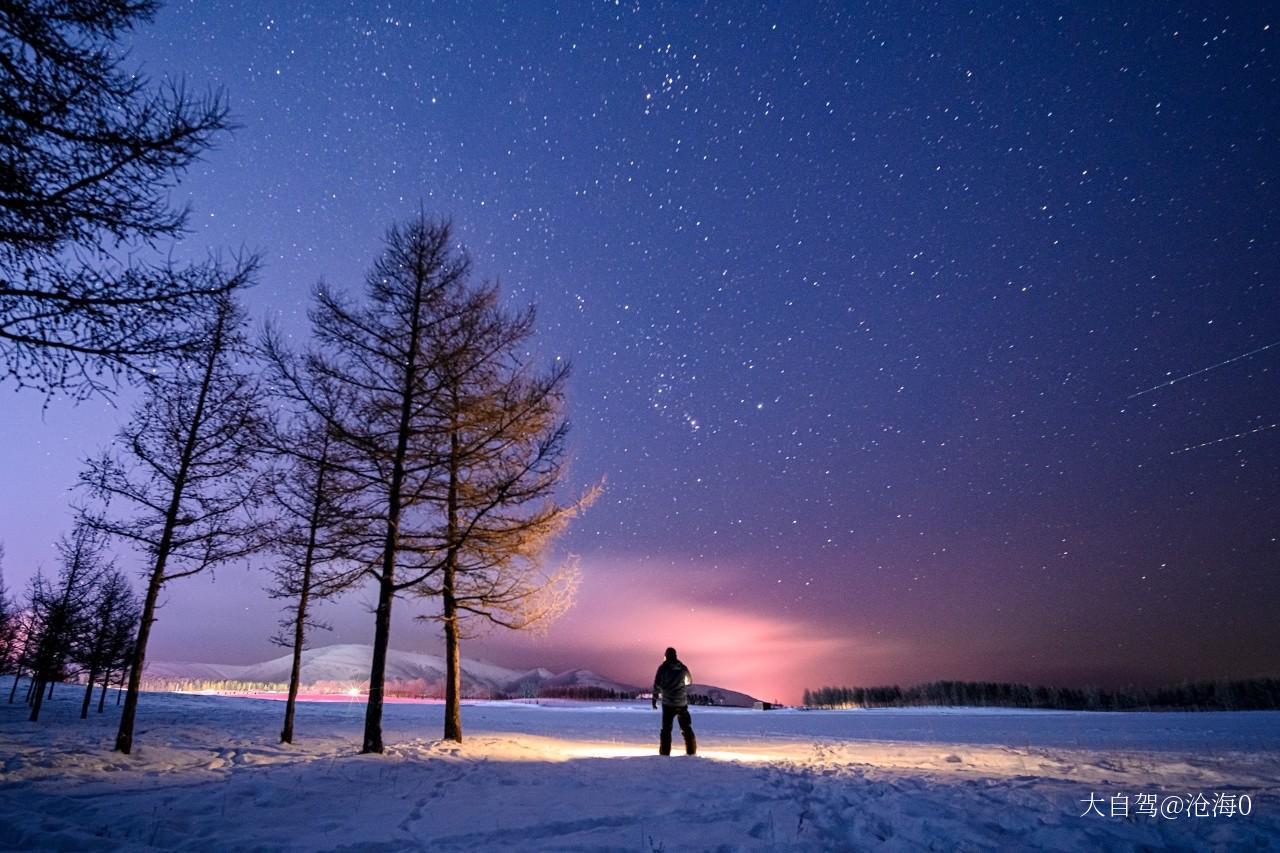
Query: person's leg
column 686, row 729
column 664, row 742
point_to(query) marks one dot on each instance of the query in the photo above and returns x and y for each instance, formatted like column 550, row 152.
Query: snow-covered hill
column 720, row 696
column 337, row 668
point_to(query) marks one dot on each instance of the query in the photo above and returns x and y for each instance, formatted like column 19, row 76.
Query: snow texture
column 207, row 773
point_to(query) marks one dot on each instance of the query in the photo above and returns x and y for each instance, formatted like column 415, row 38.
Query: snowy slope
column 720, row 696
column 338, row 668
column 207, row 773
column 194, row 670
column 583, row 678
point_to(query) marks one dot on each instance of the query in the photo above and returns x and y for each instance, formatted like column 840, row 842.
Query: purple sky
column 862, row 302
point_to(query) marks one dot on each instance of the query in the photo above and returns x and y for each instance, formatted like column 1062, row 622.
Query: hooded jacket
column 671, row 683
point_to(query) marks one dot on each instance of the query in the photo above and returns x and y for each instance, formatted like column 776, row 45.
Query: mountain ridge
column 344, row 667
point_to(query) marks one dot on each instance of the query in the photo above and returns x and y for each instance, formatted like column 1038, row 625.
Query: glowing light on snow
column 600, row 750
column 733, row 755
column 524, row 747
column 618, row 750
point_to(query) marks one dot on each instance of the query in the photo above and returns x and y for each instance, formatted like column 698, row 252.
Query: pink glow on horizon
column 623, row 619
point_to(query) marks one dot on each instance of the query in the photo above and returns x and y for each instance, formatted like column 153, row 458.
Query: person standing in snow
column 672, row 683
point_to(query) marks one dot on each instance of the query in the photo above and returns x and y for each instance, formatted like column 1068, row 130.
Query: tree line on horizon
column 413, row 442
column 1252, row 694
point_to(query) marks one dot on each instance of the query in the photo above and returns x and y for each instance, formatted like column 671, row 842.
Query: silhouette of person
column 672, row 683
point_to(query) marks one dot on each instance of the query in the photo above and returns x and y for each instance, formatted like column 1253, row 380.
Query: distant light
column 353, row 691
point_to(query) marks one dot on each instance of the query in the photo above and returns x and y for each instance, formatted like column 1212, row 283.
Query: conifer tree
column 90, row 150
column 308, row 537
column 502, row 440
column 61, row 610
column 370, row 377
column 450, row 448
column 112, row 605
column 182, row 483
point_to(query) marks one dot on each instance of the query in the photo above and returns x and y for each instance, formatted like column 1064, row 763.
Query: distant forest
column 584, row 692
column 1255, row 694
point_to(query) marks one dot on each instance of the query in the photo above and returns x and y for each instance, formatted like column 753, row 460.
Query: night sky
column 921, row 343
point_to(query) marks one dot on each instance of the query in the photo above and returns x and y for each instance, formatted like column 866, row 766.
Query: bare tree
column 61, row 611
column 503, row 441
column 119, row 650
column 90, row 150
column 185, row 472
column 113, row 604
column 370, row 378
column 308, row 535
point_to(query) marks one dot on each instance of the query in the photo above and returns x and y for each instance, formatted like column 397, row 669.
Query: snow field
column 207, row 774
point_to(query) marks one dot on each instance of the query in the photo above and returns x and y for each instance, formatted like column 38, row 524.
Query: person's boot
column 664, row 743
column 690, row 743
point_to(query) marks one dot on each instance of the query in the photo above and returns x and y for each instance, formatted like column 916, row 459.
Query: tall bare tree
column 308, row 535
column 90, row 150
column 371, row 379
column 184, row 471
column 503, row 443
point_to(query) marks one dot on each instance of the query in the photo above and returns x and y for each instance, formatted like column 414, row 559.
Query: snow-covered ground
column 207, row 773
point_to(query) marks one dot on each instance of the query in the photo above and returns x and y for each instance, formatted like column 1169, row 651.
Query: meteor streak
column 1202, row 370
column 1233, row 437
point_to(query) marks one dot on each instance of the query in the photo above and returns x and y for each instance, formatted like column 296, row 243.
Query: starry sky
column 928, row 341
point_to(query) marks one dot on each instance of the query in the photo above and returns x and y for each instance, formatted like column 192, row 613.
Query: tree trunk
column 452, row 657
column 102, row 696
column 37, row 701
column 452, row 665
column 120, row 687
column 13, row 691
column 88, row 695
column 378, row 668
column 387, row 582
column 300, row 623
column 124, row 737
column 386, row 593
column 51, row 683
column 299, row 635
column 96, row 657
